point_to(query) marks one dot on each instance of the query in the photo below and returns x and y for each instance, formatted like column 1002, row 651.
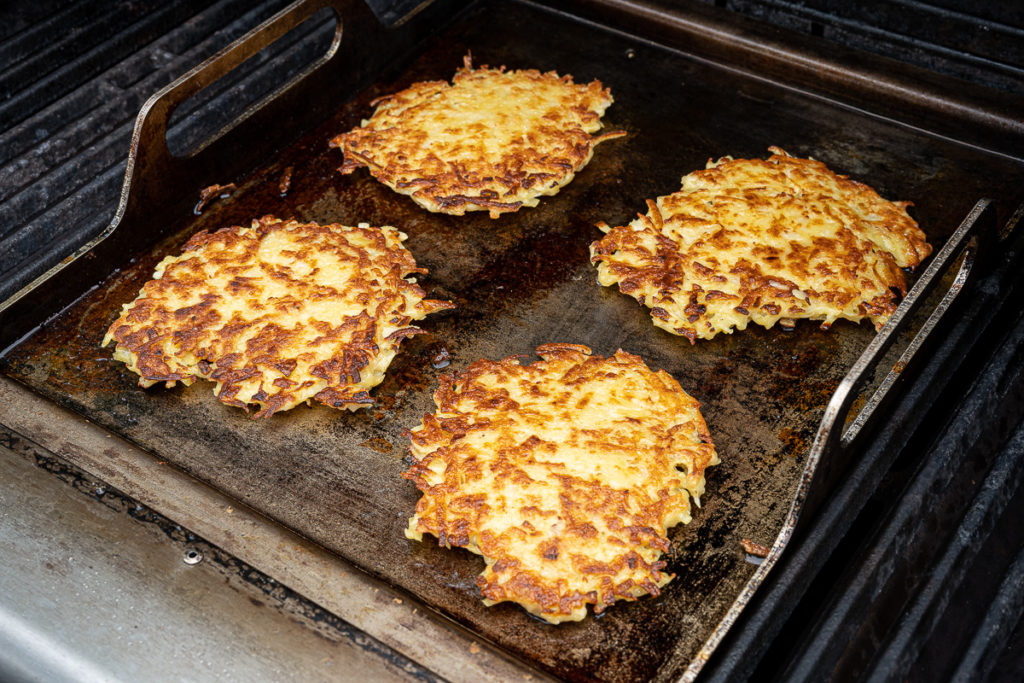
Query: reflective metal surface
column 93, row 588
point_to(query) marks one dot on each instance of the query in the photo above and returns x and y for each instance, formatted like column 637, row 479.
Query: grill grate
column 982, row 41
column 41, row 68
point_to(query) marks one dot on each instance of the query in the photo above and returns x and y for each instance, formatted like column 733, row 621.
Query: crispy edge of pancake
column 518, row 180
column 486, row 402
column 190, row 341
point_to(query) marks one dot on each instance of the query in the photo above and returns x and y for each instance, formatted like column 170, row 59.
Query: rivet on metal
column 193, row 556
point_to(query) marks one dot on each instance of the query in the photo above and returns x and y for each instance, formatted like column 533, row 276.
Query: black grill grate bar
column 31, row 93
column 55, row 182
column 958, row 63
column 946, row 13
column 967, row 45
column 981, row 660
column 37, row 246
column 908, row 18
column 49, row 54
column 924, row 613
column 133, row 78
column 65, row 129
column 23, row 44
column 53, row 152
column 973, row 40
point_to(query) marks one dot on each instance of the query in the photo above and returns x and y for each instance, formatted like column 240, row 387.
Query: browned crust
column 441, row 176
column 178, row 329
column 755, row 549
column 284, row 185
column 212, row 192
column 488, row 403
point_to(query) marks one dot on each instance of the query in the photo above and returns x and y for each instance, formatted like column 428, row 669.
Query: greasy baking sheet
column 521, row 281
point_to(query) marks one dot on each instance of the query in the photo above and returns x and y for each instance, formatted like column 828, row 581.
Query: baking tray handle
column 152, row 168
column 836, row 432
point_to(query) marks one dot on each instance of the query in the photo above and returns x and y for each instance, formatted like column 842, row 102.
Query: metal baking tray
column 687, row 87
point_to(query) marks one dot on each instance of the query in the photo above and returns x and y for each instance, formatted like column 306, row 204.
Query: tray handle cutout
column 151, row 160
column 836, row 430
column 242, row 78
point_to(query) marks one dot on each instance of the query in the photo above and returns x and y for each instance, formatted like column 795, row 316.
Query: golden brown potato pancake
column 564, row 474
column 276, row 314
column 765, row 241
column 492, row 140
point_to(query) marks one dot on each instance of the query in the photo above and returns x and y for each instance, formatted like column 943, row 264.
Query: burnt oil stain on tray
column 519, row 281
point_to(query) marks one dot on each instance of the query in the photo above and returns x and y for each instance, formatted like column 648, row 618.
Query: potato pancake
column 765, row 241
column 564, row 474
column 493, row 140
column 276, row 314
